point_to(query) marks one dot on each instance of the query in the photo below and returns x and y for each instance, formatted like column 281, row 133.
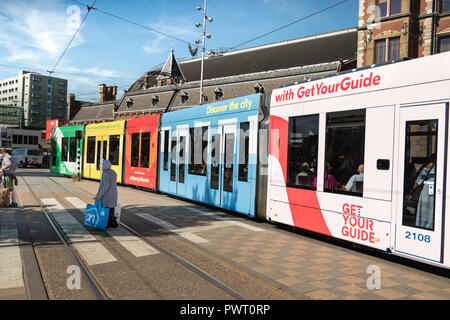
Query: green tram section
column 66, row 150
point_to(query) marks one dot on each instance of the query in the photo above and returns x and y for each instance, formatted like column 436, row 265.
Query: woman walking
column 107, row 192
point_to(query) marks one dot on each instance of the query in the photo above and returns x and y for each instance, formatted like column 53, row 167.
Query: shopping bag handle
column 98, row 203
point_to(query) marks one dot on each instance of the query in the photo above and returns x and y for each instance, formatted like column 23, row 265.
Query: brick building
column 392, row 29
column 81, row 112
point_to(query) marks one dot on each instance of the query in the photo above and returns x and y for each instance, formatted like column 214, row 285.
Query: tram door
column 101, row 153
column 178, row 162
column 421, row 181
column 223, row 150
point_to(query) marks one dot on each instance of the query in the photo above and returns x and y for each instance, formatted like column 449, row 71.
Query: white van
column 27, row 157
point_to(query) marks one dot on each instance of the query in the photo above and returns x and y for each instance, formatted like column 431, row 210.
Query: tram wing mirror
column 78, row 134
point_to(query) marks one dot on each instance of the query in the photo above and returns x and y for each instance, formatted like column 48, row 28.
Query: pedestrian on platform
column 107, row 192
column 8, row 172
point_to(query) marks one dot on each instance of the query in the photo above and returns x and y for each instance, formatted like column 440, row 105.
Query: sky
column 107, row 49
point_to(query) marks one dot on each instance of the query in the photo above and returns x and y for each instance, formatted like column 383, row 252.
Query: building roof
column 97, row 112
column 232, row 86
column 304, row 51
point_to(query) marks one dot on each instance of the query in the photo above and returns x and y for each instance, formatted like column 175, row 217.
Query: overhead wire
column 70, row 42
column 135, row 23
column 289, row 24
column 63, row 72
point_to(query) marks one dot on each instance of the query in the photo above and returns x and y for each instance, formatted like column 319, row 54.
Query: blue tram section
column 208, row 153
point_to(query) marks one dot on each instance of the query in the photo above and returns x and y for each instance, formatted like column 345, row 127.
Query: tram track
column 188, row 265
column 85, row 271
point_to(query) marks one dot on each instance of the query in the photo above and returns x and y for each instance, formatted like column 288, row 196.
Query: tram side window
column 166, row 150
column 64, row 149
column 420, row 174
column 243, row 151
column 90, row 150
column 53, row 159
column 73, row 150
column 229, row 163
column 303, row 143
column 198, row 149
column 145, row 150
column 114, row 143
column 135, row 150
column 344, row 162
column 215, row 160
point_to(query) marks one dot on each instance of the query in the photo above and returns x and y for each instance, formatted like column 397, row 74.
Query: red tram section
column 141, row 151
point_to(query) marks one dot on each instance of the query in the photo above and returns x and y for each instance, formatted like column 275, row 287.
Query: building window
column 388, row 7
column 302, row 151
column 445, row 6
column 444, row 44
column 184, row 96
column 218, row 93
column 387, row 49
column 344, row 162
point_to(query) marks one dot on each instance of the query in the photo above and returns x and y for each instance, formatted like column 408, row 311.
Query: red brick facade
column 414, row 28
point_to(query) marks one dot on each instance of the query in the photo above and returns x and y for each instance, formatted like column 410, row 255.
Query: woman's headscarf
column 106, row 165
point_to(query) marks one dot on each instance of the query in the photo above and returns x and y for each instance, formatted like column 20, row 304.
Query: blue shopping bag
column 95, row 216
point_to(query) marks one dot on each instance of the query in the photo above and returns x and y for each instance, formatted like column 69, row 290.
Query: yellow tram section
column 103, row 141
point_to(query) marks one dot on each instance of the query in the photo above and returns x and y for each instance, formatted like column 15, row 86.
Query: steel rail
column 184, row 262
column 95, row 286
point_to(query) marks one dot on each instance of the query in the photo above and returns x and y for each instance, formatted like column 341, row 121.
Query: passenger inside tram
column 355, row 183
column 425, row 184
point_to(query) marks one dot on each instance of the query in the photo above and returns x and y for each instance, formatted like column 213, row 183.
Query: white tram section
column 400, row 100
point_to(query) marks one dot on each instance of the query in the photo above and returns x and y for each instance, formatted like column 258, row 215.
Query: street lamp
column 205, row 18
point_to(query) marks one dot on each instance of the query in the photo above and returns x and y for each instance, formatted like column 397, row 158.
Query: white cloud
column 184, row 30
column 35, row 34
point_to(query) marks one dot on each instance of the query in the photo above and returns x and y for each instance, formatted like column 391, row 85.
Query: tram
column 66, row 149
column 141, row 152
column 103, row 141
column 363, row 157
column 208, row 153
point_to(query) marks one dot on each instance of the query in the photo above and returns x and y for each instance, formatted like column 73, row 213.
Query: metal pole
column 203, row 53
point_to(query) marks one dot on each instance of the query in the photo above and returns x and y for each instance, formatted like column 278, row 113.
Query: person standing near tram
column 107, row 192
column 8, row 170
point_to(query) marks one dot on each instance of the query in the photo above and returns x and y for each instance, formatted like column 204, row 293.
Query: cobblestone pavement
column 306, row 266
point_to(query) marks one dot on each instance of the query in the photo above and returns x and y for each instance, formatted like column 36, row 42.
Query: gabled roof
column 171, row 69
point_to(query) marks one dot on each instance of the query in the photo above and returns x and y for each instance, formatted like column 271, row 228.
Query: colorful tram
column 141, row 152
column 208, row 153
column 344, row 156
column 103, row 141
column 66, row 150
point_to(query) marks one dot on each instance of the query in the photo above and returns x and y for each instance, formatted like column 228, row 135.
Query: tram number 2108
column 417, row 236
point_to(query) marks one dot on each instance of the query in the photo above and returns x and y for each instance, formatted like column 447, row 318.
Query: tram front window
column 419, row 174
